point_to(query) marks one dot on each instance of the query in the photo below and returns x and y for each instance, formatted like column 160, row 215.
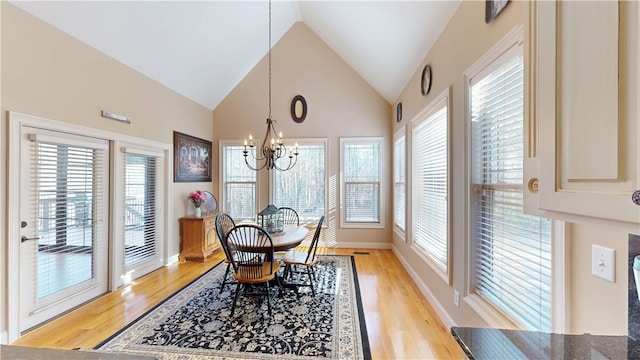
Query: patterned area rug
column 196, row 322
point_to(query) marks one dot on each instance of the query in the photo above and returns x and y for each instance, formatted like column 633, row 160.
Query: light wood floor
column 400, row 322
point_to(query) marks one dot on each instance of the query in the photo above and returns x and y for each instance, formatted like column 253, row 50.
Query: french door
column 63, row 209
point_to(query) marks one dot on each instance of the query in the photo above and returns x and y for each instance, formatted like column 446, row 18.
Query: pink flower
column 197, row 197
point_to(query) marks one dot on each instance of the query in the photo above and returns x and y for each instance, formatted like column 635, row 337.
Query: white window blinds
column 70, row 207
column 361, row 177
column 238, row 183
column 141, row 219
column 512, row 250
column 399, row 181
column 303, row 188
column 431, row 174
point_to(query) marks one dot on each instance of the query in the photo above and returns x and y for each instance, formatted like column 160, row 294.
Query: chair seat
column 266, row 269
column 293, row 257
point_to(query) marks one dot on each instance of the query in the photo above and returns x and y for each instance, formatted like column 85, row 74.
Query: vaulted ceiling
column 203, row 49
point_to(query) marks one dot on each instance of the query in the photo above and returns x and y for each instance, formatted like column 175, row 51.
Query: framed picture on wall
column 191, row 158
column 493, row 9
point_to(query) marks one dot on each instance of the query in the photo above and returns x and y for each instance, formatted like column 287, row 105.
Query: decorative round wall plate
column 210, row 204
column 425, row 83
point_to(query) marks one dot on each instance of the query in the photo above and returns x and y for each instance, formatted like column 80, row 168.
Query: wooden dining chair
column 224, row 223
column 290, row 216
column 252, row 247
column 307, row 259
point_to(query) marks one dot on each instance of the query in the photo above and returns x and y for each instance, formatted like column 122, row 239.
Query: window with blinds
column 69, row 207
column 303, row 188
column 399, row 180
column 238, row 183
column 512, row 250
column 361, row 181
column 141, row 219
column 430, row 153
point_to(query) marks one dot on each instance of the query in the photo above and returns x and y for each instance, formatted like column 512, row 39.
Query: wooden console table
column 199, row 238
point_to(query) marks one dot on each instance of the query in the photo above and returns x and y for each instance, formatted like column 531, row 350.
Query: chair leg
column 268, row 298
column 309, row 273
column 224, row 279
column 235, row 298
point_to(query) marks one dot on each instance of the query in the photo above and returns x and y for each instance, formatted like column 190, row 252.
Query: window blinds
column 361, row 177
column 399, row 182
column 238, row 184
column 430, row 152
column 303, row 188
column 69, row 207
column 140, row 218
column 512, row 267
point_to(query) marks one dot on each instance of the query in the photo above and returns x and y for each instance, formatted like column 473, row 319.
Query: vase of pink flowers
column 197, row 197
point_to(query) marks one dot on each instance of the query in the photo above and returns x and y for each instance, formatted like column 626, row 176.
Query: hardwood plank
column 401, row 324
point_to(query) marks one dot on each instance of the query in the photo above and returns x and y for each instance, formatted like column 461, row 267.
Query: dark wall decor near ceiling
column 298, row 109
column 399, row 112
column 493, row 8
column 425, row 80
column 191, row 158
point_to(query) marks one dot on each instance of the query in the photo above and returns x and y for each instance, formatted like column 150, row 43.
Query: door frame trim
column 15, row 124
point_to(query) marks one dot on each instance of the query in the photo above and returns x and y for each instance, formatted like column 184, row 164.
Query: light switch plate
column 603, row 262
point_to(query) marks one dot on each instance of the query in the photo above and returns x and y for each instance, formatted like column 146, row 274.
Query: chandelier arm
column 251, row 167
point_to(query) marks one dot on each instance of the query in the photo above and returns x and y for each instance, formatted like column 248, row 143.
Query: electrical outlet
column 456, row 298
column 603, row 262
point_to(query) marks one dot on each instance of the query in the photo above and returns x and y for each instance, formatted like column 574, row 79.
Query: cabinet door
column 583, row 108
column 210, row 236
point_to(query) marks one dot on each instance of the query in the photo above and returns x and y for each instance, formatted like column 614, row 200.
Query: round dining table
column 290, row 237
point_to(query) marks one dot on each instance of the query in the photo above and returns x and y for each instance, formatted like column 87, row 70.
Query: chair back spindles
column 290, row 216
column 249, row 264
column 224, row 223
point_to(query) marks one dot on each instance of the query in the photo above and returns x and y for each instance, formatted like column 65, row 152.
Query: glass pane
column 140, row 235
column 303, row 187
column 65, row 194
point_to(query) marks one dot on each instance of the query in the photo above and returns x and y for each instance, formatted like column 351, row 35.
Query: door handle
column 636, row 197
column 24, row 238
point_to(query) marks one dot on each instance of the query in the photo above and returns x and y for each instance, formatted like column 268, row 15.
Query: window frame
column 379, row 140
column 222, row 171
column 559, row 248
column 400, row 135
column 439, row 102
column 126, row 275
column 301, row 143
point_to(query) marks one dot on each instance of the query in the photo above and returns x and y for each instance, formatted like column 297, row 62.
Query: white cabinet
column 582, row 108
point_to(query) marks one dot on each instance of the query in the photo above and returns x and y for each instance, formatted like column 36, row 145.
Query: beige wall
column 340, row 104
column 595, row 305
column 48, row 74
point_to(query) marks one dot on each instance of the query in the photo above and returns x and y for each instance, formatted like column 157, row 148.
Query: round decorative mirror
column 298, row 108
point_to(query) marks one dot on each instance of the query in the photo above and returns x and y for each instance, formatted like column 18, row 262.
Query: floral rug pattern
column 196, row 322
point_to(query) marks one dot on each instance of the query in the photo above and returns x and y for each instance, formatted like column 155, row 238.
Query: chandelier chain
column 269, row 59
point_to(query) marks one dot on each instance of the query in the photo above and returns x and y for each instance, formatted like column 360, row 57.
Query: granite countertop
column 496, row 344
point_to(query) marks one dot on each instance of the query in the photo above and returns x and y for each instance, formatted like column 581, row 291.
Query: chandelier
column 272, row 147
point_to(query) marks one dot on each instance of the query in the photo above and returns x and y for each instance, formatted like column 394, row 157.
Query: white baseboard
column 172, row 259
column 4, row 338
column 359, row 245
column 437, row 306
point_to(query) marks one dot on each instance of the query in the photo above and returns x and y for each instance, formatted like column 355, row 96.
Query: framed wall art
column 191, row 158
column 493, row 9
